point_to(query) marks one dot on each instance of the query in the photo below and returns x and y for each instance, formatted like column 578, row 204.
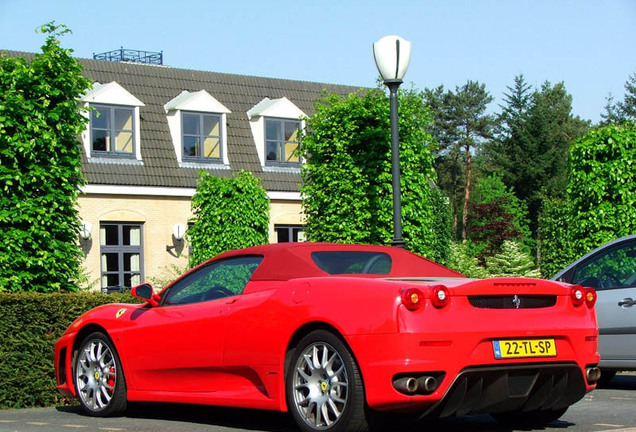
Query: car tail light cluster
column 413, row 298
column 581, row 295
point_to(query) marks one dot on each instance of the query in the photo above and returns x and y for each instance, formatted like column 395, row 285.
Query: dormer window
column 281, row 141
column 113, row 129
column 201, row 136
column 197, row 125
column 276, row 126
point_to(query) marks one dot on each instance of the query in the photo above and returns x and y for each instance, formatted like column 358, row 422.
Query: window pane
column 124, row 142
column 190, row 124
column 211, row 125
column 352, row 262
column 272, row 131
column 131, row 262
column 100, row 118
column 272, row 151
column 101, row 140
column 131, row 235
column 123, row 119
column 111, row 261
column 282, row 235
column 190, row 146
column 108, row 235
column 291, row 131
column 291, row 154
column 211, row 148
column 110, row 280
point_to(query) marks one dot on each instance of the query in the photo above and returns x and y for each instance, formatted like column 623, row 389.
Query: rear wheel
column 324, row 386
column 532, row 419
column 99, row 378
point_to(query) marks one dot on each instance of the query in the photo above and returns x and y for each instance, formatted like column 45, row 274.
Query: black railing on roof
column 128, row 55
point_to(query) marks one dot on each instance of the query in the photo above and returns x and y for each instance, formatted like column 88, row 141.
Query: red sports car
column 336, row 334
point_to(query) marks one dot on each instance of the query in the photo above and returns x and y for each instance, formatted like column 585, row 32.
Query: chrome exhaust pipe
column 592, row 374
column 407, row 385
column 427, row 384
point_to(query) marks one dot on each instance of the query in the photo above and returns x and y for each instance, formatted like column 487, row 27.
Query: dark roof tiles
column 157, row 85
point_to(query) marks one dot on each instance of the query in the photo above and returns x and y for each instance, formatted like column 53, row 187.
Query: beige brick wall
column 158, row 216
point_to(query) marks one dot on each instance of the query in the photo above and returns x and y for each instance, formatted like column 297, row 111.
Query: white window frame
column 111, row 95
column 200, row 102
column 278, row 109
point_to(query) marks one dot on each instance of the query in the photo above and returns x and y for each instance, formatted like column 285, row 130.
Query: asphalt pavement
column 609, row 409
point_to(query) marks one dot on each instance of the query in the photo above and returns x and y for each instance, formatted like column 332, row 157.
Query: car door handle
column 627, row 302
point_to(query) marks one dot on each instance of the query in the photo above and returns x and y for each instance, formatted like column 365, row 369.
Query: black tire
column 98, row 377
column 530, row 419
column 324, row 388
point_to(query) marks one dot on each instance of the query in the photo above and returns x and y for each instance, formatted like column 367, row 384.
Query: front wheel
column 99, row 378
column 324, row 386
column 530, row 419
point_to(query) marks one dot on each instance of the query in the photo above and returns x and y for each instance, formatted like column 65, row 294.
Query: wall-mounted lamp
column 178, row 231
column 85, row 230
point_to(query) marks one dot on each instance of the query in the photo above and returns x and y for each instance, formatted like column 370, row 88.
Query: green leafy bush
column 229, row 213
column 40, row 168
column 602, row 187
column 31, row 323
column 347, row 194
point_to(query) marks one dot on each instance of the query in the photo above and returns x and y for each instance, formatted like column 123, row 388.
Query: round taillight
column 439, row 296
column 578, row 295
column 590, row 297
column 412, row 298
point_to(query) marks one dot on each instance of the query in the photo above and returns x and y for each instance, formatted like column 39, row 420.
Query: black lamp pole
column 392, row 55
column 398, row 241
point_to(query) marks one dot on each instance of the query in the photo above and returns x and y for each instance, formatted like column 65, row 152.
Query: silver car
column 611, row 270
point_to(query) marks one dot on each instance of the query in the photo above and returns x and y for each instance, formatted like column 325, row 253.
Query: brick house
column 159, row 126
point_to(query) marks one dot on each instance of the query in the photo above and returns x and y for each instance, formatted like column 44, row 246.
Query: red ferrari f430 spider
column 336, row 334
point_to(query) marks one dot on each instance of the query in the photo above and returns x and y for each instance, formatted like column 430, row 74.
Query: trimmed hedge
column 30, row 323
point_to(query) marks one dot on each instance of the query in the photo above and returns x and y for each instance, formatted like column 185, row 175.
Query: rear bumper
column 471, row 379
column 509, row 388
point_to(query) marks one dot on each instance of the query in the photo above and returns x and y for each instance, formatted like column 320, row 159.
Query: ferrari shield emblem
column 120, row 312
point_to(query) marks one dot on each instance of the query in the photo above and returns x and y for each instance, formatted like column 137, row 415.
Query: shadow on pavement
column 622, row 381
column 269, row 421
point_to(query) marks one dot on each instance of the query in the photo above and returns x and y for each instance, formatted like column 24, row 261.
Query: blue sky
column 590, row 45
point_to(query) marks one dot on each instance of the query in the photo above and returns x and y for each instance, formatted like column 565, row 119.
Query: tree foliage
column 229, row 213
column 347, row 173
column 602, row 187
column 512, row 261
column 496, row 215
column 531, row 147
column 40, row 168
column 461, row 125
column 555, row 246
column 621, row 111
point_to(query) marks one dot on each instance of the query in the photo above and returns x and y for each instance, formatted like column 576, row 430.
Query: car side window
column 213, row 281
column 613, row 268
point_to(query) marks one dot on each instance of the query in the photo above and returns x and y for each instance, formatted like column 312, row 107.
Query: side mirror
column 146, row 293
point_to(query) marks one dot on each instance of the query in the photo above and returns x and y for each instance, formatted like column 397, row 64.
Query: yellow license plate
column 518, row 348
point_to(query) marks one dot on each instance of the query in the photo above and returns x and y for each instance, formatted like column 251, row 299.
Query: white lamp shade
column 392, row 56
column 178, row 231
column 85, row 230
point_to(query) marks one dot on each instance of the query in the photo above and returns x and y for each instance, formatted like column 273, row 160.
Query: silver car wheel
column 320, row 385
column 96, row 375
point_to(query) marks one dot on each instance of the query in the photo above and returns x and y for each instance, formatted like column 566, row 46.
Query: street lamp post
column 392, row 56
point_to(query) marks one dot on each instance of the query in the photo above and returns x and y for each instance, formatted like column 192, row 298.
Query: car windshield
column 352, row 262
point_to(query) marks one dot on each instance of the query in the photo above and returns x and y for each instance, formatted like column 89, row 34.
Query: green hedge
column 30, row 323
